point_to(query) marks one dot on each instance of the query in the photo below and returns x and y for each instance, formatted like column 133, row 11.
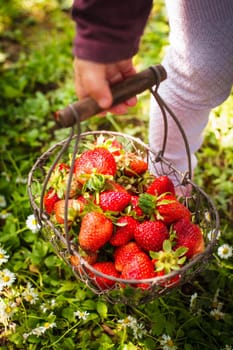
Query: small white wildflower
column 7, row 309
column 29, row 294
column 43, row 307
column 53, row 302
column 7, row 278
column 139, row 331
column 167, row 343
column 82, row 315
column 2, row 201
column 193, row 300
column 225, row 251
column 227, row 347
column 25, row 335
column 3, row 256
column 129, row 321
column 217, row 314
column 32, row 223
column 211, row 235
column 4, row 214
column 21, row 180
column 38, row 331
column 7, row 177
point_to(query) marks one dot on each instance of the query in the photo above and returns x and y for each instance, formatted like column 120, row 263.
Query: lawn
column 42, row 305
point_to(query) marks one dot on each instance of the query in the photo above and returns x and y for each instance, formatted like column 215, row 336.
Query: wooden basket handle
column 121, row 92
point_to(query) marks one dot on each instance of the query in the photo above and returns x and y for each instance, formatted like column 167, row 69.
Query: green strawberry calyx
column 168, row 259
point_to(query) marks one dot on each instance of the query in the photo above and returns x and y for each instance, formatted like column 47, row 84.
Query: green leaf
column 102, row 309
column 67, row 286
column 167, row 246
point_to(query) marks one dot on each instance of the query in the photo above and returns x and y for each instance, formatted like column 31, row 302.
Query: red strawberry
column 95, row 231
column 113, row 145
column 124, row 232
column 63, row 167
column 114, row 201
column 107, row 268
column 139, row 267
column 135, row 206
column 169, row 282
column 96, row 161
column 50, row 198
column 114, row 186
column 135, row 165
column 59, row 180
column 76, row 263
column 188, row 235
column 150, row 235
column 75, row 207
column 170, row 210
column 161, row 184
column 125, row 253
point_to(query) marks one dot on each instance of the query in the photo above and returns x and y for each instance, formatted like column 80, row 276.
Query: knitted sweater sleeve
column 108, row 30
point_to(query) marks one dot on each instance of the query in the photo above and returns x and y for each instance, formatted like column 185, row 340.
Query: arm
column 107, row 37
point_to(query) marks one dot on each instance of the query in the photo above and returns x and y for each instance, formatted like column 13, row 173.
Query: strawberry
column 125, row 253
column 76, row 263
column 135, row 206
column 96, row 161
column 168, row 282
column 95, row 231
column 112, row 144
column 188, row 235
column 114, row 186
column 59, row 180
column 135, row 165
column 161, row 184
column 75, row 207
column 150, row 235
column 107, row 268
column 49, row 200
column 139, row 267
column 170, row 210
column 114, row 201
column 125, row 231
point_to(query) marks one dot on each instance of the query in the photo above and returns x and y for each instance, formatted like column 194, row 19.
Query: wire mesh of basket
column 65, row 241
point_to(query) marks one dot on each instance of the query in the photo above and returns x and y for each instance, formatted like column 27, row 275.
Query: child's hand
column 94, row 79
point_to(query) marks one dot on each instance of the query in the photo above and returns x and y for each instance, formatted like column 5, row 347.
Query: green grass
column 36, row 80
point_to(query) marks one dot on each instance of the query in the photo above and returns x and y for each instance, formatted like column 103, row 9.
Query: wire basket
column 66, row 245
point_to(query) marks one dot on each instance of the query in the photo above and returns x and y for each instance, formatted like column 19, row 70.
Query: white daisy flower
column 7, row 278
column 82, row 315
column 29, row 294
column 225, row 251
column 43, row 308
column 3, row 256
column 53, row 302
column 193, row 300
column 32, row 223
column 21, row 180
column 4, row 215
column 139, row 331
column 129, row 321
column 2, row 201
column 211, row 234
column 7, row 309
column 167, row 343
column 227, row 347
column 217, row 314
column 38, row 331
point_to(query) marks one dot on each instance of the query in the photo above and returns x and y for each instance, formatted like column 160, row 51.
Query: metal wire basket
column 198, row 202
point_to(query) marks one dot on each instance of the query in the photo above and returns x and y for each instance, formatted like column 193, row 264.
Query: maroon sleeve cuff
column 109, row 30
